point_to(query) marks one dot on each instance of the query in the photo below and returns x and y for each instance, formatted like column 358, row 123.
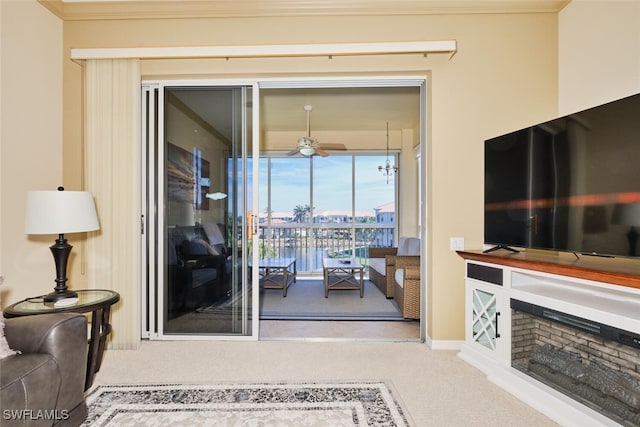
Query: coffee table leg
column 285, row 272
column 295, row 271
column 326, row 283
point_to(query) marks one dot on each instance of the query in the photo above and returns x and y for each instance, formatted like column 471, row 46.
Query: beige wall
column 30, row 142
column 504, row 76
column 599, row 45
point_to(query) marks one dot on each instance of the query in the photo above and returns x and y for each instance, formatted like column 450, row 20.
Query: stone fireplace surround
column 564, row 286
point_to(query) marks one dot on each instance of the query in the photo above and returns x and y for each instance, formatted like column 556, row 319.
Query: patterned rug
column 264, row 404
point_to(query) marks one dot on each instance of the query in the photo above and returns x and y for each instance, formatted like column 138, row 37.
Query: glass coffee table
column 96, row 301
column 342, row 274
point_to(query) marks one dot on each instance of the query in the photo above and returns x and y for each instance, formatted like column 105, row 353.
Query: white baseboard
column 443, row 344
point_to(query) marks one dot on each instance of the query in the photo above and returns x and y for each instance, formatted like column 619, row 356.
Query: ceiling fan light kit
column 308, row 146
column 307, row 151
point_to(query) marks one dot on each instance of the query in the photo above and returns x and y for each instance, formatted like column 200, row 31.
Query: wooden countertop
column 617, row 271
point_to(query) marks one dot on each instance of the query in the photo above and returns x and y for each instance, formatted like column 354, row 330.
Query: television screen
column 569, row 184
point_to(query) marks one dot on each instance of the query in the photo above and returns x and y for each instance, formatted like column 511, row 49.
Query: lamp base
column 57, row 296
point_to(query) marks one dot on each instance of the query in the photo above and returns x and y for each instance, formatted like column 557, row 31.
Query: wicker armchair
column 407, row 253
column 407, row 286
column 383, row 282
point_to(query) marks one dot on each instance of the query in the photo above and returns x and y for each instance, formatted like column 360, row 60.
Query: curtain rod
column 260, row 51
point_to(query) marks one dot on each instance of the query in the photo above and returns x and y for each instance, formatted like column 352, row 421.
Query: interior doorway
column 336, row 194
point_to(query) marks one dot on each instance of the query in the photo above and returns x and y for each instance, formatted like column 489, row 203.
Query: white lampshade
column 626, row 214
column 60, row 212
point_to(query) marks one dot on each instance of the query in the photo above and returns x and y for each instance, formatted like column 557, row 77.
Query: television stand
column 498, row 247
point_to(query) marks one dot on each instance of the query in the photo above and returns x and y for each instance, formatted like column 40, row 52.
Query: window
column 335, row 206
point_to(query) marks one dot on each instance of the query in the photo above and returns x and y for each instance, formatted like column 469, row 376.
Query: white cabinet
column 556, row 289
column 484, row 316
column 487, row 314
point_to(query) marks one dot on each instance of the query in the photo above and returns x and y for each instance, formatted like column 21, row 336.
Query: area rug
column 224, row 306
column 264, row 404
column 305, row 300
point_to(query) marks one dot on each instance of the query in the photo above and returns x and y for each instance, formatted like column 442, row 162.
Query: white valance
column 261, row 51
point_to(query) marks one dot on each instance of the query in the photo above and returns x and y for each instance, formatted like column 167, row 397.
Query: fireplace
column 595, row 364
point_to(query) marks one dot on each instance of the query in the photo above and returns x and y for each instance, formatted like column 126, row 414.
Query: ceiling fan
column 309, row 146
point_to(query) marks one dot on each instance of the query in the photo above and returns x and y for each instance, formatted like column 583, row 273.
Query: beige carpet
column 436, row 387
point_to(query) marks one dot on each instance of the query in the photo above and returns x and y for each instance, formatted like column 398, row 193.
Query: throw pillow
column 214, row 235
column 413, row 246
column 198, row 247
column 402, row 246
column 5, row 350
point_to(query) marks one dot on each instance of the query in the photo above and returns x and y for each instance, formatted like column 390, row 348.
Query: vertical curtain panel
column 112, row 174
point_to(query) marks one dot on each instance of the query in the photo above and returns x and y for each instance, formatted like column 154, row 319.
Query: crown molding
column 76, row 10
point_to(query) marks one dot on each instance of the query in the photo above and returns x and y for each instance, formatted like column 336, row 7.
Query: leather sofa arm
column 62, row 335
column 209, row 261
column 43, row 333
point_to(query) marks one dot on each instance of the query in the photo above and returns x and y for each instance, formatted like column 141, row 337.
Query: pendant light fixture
column 388, row 170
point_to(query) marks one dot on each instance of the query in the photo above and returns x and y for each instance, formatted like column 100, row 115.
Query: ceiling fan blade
column 333, row 146
column 321, row 152
column 293, row 152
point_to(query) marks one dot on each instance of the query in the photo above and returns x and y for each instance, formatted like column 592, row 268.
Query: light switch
column 457, row 244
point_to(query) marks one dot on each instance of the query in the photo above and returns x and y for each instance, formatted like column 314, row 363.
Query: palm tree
column 307, row 212
column 299, row 213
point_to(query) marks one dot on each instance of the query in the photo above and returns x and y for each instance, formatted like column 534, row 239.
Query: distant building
column 277, row 217
column 385, row 215
column 335, row 216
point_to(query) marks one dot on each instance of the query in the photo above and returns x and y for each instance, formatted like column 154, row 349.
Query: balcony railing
column 310, row 243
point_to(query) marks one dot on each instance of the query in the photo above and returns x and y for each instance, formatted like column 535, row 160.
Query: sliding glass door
column 200, row 188
column 204, row 174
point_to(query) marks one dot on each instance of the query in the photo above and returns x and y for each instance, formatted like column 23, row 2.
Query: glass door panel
column 332, row 206
column 206, row 287
column 284, row 186
column 484, row 320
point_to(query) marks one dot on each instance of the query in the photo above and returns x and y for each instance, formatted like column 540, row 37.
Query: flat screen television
column 569, row 184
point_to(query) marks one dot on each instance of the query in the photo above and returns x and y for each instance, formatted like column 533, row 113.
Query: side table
column 96, row 301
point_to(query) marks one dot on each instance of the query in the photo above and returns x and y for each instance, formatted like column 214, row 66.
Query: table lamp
column 60, row 212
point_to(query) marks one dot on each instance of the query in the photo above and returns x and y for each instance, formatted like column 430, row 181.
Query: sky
column 332, row 186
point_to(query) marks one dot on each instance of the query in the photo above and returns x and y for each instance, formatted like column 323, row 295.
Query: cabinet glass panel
column 484, row 318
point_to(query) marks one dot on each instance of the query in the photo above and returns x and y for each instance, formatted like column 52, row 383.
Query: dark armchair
column 196, row 269
column 44, row 384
